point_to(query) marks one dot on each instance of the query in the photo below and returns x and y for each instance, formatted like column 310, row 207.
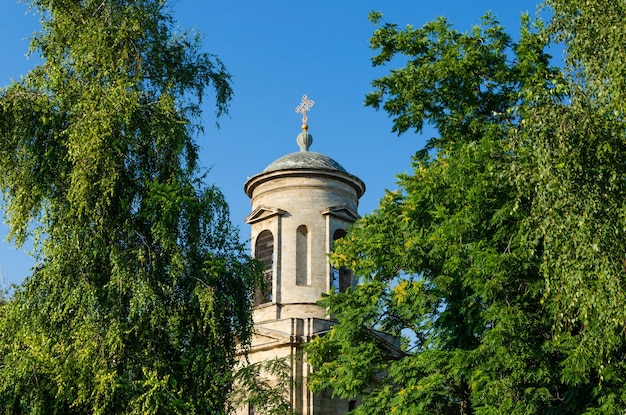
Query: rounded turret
column 301, row 203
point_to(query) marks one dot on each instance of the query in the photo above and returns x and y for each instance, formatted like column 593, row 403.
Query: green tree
column 266, row 386
column 577, row 168
column 499, row 259
column 142, row 289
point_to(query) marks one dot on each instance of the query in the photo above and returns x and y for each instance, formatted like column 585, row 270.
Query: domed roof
column 304, row 163
column 304, row 160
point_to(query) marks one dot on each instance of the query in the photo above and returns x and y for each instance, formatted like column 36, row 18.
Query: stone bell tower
column 301, row 204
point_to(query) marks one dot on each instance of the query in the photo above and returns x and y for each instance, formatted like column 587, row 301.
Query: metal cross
column 304, row 106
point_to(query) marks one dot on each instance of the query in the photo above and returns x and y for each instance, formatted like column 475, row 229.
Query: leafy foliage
column 141, row 292
column 265, row 385
column 498, row 261
column 579, row 208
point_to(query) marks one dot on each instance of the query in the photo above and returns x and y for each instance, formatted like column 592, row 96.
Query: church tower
column 301, row 203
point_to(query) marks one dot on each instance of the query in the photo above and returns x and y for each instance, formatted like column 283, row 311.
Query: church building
column 301, row 204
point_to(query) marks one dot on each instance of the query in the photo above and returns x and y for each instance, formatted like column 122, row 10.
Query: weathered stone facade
column 301, row 203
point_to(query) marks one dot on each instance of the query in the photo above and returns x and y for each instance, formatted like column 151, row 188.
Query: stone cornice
column 356, row 183
column 262, row 213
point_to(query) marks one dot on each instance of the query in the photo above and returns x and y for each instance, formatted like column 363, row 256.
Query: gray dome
column 304, row 160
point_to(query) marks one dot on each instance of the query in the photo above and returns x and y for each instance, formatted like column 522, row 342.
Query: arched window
column 340, row 279
column 302, row 256
column 264, row 252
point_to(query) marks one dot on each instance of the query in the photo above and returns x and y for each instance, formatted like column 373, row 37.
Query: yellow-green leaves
column 141, row 292
column 501, row 259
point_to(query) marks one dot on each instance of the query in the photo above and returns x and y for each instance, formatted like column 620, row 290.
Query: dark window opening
column 340, row 278
column 264, row 252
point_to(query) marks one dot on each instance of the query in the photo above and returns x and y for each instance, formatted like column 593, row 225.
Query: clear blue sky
column 277, row 51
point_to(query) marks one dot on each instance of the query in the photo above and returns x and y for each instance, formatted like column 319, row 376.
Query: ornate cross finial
column 304, row 106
